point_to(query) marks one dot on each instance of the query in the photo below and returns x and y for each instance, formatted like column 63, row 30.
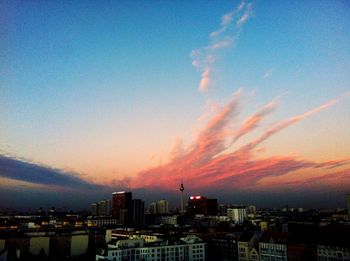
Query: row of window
column 272, row 246
column 197, row 246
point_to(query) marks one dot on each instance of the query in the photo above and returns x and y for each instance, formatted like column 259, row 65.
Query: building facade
column 162, row 207
column 122, row 207
column 333, row 253
column 237, row 214
column 273, row 246
column 202, row 205
column 138, row 212
column 137, row 249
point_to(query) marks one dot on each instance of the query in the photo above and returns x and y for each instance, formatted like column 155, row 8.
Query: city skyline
column 247, row 101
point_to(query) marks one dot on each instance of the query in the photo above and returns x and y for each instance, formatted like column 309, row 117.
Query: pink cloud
column 337, row 179
column 253, row 121
column 206, row 162
column 206, row 79
column 277, row 127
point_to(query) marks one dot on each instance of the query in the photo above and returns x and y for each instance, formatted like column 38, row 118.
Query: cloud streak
column 204, row 58
column 210, row 161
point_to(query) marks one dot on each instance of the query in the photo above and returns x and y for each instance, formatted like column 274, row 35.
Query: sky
column 246, row 101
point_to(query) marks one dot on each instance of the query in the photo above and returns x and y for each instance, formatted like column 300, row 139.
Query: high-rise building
column 122, row 207
column 153, row 208
column 197, row 205
column 102, row 208
column 251, row 209
column 138, row 212
column 202, row 205
column 94, row 209
column 238, row 214
column 162, row 207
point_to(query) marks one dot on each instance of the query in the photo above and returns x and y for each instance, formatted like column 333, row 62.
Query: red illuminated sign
column 195, row 197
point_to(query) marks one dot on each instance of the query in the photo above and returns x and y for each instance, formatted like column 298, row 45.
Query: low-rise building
column 223, row 246
column 330, row 253
column 247, row 241
column 190, row 248
column 273, row 246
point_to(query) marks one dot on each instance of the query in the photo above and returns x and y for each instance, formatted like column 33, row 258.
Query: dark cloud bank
column 72, row 192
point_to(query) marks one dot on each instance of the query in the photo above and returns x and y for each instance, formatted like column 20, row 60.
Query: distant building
column 153, row 208
column 237, row 214
column 102, row 208
column 162, row 207
column 94, row 210
column 122, row 207
column 138, row 212
column 159, row 208
column 202, row 205
column 251, row 209
column 222, row 209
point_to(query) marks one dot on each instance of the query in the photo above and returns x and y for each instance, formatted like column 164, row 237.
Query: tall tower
column 182, row 199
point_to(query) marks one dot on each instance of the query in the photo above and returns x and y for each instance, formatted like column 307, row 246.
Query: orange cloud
column 207, row 163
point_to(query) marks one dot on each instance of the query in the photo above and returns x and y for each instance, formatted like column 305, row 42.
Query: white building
column 273, row 247
column 190, row 248
column 237, row 214
column 328, row 253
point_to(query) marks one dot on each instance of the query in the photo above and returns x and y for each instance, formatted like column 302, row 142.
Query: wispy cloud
column 207, row 161
column 253, row 121
column 246, row 15
column 277, row 127
column 223, row 38
column 267, row 74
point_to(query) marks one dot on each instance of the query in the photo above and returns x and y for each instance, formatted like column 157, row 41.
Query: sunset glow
column 239, row 97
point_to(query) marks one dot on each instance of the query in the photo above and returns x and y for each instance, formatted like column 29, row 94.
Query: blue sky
column 105, row 89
